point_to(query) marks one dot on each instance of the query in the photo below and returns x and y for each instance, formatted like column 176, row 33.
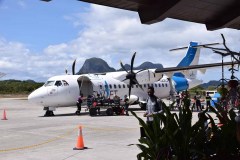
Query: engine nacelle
column 133, row 99
column 181, row 83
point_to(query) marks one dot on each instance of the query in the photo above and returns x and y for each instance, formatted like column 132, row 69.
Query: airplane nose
column 37, row 96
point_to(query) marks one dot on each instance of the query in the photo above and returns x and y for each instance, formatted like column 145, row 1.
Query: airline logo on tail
column 191, row 57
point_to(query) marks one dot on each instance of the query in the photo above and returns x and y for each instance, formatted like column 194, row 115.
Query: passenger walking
column 154, row 106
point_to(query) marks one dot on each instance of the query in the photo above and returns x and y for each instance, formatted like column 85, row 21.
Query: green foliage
column 18, row 87
column 174, row 137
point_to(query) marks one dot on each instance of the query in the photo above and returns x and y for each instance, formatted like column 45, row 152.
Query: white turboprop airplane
column 63, row 90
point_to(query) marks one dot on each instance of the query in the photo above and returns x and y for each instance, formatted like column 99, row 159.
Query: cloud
column 113, row 35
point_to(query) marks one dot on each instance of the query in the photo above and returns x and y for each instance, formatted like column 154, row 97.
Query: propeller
column 73, row 68
column 131, row 75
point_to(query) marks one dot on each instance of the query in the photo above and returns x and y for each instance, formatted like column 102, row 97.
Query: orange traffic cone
column 80, row 143
column 4, row 115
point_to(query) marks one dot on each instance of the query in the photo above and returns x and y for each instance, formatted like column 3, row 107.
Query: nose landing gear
column 49, row 111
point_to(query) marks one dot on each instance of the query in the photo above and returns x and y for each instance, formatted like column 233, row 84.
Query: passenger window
column 140, row 86
column 110, row 86
column 166, row 84
column 115, row 86
column 155, row 85
column 119, row 86
column 123, row 85
column 144, row 85
column 100, row 86
column 159, row 85
column 162, row 85
column 128, row 86
column 148, row 85
column 136, row 86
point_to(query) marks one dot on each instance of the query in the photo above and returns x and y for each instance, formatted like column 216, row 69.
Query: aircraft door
column 85, row 86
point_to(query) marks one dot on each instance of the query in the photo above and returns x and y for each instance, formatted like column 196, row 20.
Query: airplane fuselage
column 63, row 91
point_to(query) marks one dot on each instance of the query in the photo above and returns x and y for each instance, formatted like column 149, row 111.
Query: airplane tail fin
column 191, row 58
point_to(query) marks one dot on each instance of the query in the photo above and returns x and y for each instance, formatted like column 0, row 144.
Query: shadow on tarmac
column 83, row 113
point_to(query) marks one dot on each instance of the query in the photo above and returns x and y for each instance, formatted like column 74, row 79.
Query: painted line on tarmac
column 63, row 136
column 109, row 129
column 39, row 144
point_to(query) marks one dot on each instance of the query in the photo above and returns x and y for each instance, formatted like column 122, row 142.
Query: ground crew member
column 79, row 105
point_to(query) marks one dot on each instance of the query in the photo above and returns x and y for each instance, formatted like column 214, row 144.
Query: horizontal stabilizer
column 197, row 46
column 200, row 66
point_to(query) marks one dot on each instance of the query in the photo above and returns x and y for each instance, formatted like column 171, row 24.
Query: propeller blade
column 124, row 79
column 123, row 66
column 73, row 67
column 132, row 61
column 135, row 81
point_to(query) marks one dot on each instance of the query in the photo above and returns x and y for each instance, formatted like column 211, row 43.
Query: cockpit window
column 65, row 83
column 49, row 83
column 58, row 83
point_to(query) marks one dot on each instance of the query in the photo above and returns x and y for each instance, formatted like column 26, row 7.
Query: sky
column 39, row 40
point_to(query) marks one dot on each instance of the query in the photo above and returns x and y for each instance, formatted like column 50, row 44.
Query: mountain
column 145, row 65
column 212, row 83
column 97, row 65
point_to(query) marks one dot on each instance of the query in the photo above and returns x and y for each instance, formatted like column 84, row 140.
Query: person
column 198, row 102
column 99, row 102
column 194, row 102
column 153, row 106
column 126, row 104
column 206, row 124
column 208, row 98
column 79, row 105
column 178, row 100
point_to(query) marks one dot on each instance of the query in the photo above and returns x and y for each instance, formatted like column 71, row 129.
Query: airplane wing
column 200, row 66
column 215, row 14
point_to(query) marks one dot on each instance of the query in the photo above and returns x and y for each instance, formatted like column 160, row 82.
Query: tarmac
column 28, row 135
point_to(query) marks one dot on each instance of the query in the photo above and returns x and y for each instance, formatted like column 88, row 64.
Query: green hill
column 18, row 87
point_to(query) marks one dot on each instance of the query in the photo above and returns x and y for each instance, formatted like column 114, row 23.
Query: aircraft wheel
column 49, row 113
column 109, row 111
column 92, row 112
column 142, row 106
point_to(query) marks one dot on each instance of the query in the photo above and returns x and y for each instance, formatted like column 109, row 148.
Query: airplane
column 214, row 14
column 63, row 90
